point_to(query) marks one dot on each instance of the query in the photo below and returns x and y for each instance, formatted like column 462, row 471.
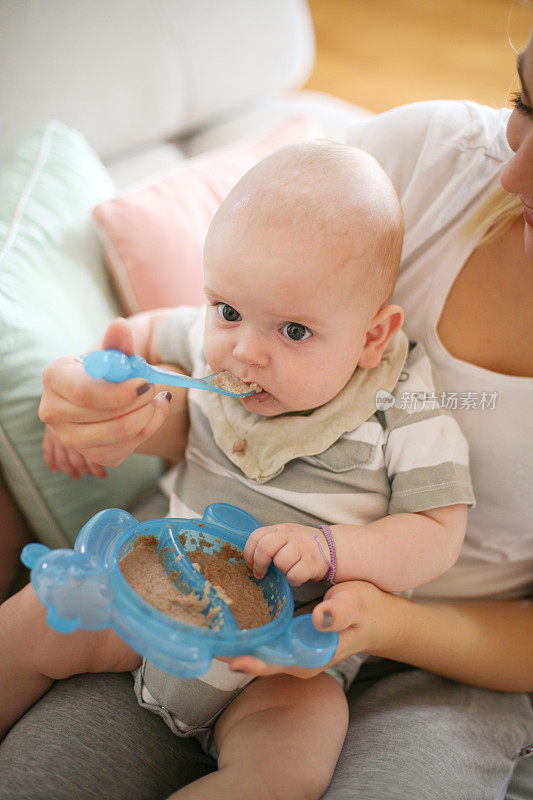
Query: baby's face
column 281, row 312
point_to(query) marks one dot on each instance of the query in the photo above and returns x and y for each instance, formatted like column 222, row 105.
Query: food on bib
column 239, row 446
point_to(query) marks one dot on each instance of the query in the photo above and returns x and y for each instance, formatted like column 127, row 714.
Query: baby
column 300, row 263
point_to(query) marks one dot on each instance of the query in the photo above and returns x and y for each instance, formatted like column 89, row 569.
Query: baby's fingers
column 59, row 461
column 67, row 460
column 262, row 561
column 251, row 543
column 265, row 546
column 49, row 448
column 299, row 572
column 58, row 458
column 85, row 467
column 73, row 463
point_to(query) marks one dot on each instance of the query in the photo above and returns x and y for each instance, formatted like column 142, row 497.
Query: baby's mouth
column 258, row 390
column 261, row 396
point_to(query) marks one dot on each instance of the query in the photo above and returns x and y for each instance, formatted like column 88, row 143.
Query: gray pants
column 411, row 735
column 415, row 735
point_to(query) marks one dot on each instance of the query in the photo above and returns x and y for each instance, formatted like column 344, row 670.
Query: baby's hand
column 292, row 548
column 58, row 457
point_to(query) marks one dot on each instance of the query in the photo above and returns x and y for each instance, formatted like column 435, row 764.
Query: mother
column 467, row 287
column 466, row 284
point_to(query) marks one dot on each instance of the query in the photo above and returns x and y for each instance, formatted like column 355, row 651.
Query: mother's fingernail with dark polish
column 142, row 388
column 168, row 396
column 327, row 619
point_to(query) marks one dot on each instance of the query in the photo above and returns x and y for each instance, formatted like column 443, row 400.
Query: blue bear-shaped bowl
column 85, row 588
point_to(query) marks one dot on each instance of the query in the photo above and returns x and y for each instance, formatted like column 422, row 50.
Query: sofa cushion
column 55, row 299
column 154, row 235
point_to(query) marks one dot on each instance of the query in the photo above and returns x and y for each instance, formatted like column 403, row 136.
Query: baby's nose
column 251, row 349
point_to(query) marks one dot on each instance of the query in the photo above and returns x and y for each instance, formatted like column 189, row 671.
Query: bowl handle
column 230, row 517
column 300, row 644
column 96, row 535
column 74, row 588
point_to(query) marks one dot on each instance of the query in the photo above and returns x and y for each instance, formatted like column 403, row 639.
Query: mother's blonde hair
column 497, row 213
column 501, row 209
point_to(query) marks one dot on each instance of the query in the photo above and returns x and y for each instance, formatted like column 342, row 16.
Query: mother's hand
column 104, row 422
column 367, row 619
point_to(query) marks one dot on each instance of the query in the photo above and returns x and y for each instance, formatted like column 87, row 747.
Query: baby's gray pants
column 412, row 736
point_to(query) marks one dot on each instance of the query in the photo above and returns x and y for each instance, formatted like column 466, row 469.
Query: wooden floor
column 381, row 53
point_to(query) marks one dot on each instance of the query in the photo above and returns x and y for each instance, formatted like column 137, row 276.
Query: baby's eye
column 228, row 313
column 296, row 332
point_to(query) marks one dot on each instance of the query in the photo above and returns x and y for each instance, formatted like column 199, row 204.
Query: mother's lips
column 528, row 214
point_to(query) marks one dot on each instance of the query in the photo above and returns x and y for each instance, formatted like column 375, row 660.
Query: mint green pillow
column 55, row 300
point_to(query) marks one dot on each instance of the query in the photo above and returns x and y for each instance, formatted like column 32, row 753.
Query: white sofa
column 151, row 83
column 148, row 85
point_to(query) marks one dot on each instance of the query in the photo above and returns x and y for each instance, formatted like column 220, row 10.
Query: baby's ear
column 387, row 321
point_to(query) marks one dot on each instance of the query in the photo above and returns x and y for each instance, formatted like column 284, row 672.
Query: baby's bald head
column 337, row 200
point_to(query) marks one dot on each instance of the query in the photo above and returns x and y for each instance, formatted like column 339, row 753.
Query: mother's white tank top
column 444, row 158
column 495, row 412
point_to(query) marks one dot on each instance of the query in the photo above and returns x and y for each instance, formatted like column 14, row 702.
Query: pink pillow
column 153, row 236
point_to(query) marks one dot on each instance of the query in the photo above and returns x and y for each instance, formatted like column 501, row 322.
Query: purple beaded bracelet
column 332, row 561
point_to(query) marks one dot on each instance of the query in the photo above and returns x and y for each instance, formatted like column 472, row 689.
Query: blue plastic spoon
column 188, row 579
column 116, row 367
